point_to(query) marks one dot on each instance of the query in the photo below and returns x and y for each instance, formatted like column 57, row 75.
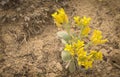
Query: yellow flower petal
column 97, row 38
column 85, row 31
column 60, row 17
column 77, row 20
column 85, row 21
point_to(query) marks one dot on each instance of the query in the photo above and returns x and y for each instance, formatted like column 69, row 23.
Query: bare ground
column 28, row 43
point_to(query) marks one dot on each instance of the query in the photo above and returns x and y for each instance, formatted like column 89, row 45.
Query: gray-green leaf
column 72, row 66
column 64, row 35
column 63, row 41
column 65, row 56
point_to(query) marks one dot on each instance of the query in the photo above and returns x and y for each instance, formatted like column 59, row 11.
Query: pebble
column 51, row 75
column 18, row 9
column 59, row 66
column 26, row 18
column 104, row 51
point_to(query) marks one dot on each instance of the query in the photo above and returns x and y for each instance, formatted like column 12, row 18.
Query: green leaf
column 64, row 35
column 72, row 66
column 65, row 56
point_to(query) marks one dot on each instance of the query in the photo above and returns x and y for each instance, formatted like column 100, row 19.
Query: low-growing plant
column 78, row 41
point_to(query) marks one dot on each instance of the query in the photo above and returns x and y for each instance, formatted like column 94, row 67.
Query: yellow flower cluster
column 77, row 20
column 76, row 47
column 84, row 23
column 97, row 38
column 60, row 17
column 84, row 59
column 96, row 55
column 85, row 31
column 72, row 48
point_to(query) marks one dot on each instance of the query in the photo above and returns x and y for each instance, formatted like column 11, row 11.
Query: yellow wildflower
column 77, row 20
column 57, row 18
column 96, row 55
column 99, row 56
column 88, row 64
column 85, row 21
column 85, row 31
column 83, row 59
column 86, row 60
column 97, row 38
column 70, row 49
column 74, row 47
column 63, row 15
column 82, row 56
column 79, row 44
column 82, row 21
column 93, row 55
column 81, row 52
column 60, row 17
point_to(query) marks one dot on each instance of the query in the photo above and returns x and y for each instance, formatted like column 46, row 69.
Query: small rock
column 51, row 75
column 104, row 51
column 26, row 18
column 99, row 70
column 18, row 9
column 13, row 19
column 59, row 66
column 109, row 68
column 111, row 48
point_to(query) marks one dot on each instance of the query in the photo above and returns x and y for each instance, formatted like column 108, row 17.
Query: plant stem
column 90, row 43
column 80, row 33
column 66, row 27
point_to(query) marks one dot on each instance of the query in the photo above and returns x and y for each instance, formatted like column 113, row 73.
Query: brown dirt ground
column 29, row 46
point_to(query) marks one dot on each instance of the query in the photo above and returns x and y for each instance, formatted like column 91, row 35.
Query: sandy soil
column 29, row 46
